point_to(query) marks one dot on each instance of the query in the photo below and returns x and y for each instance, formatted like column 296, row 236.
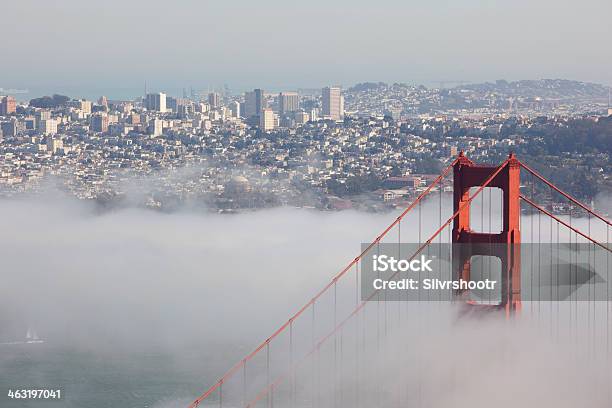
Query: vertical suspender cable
column 244, row 382
column 550, row 248
column 531, row 216
column 268, row 370
column 312, row 374
column 440, row 238
column 357, row 372
column 609, row 367
column 377, row 377
column 341, row 365
column 539, row 265
column 335, row 343
column 292, row 372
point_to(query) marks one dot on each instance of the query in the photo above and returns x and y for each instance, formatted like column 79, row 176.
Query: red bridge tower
column 504, row 245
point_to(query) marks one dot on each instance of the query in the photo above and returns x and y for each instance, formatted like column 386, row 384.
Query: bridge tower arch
column 504, row 245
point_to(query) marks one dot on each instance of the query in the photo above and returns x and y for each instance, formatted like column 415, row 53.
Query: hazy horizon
column 134, row 92
column 277, row 45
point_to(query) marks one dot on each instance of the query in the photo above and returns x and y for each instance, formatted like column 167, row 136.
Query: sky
column 70, row 44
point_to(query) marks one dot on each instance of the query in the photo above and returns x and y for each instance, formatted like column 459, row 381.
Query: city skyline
column 344, row 148
column 25, row 94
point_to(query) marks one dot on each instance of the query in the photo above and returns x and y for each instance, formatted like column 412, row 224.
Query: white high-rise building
column 267, row 121
column 156, row 127
column 235, row 109
column 333, row 103
column 156, row 102
column 48, row 126
column 85, row 106
column 314, row 114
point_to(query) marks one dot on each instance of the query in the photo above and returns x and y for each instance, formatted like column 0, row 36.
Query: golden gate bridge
column 305, row 361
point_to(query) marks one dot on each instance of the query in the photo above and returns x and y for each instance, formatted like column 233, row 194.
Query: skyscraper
column 156, row 102
column 9, row 128
column 266, row 119
column 48, row 126
column 260, row 101
column 156, row 127
column 235, row 109
column 99, row 123
column 254, row 103
column 42, row 115
column 8, row 105
column 84, row 105
column 249, row 105
column 333, row 103
column 214, row 100
column 103, row 101
column 288, row 102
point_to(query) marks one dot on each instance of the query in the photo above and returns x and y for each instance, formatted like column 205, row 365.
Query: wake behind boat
column 30, row 338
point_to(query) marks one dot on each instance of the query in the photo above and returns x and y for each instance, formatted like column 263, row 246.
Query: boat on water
column 32, row 337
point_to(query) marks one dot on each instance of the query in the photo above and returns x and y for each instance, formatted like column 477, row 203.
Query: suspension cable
column 566, row 195
column 537, row 207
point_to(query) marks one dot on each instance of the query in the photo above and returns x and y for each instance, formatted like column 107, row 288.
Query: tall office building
column 48, row 126
column 41, row 116
column 249, row 105
column 8, row 105
column 260, row 100
column 9, row 128
column 313, row 114
column 156, row 102
column 333, row 103
column 156, row 127
column 99, row 123
column 214, row 100
column 266, row 119
column 288, row 102
column 254, row 103
column 235, row 109
column 103, row 101
column 85, row 106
